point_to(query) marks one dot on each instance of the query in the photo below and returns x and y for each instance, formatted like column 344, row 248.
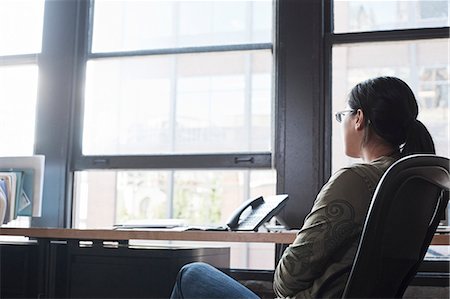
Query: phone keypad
column 257, row 215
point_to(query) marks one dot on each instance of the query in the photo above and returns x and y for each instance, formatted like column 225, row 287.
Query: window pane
column 197, row 197
column 352, row 16
column 18, row 93
column 192, row 103
column 21, row 24
column 424, row 65
column 141, row 25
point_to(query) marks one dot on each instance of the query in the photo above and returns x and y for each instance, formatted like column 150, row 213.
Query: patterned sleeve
column 337, row 214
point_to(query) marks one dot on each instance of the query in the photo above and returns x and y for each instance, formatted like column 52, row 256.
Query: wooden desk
column 151, row 234
column 56, row 264
column 168, row 234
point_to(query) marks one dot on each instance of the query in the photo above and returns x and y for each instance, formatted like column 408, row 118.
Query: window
column 421, row 62
column 20, row 44
column 180, row 97
column 176, row 78
column 183, row 103
column 18, row 103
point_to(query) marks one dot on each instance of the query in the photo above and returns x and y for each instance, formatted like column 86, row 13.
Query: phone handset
column 233, row 221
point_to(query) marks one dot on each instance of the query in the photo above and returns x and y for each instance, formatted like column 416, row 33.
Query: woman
column 379, row 126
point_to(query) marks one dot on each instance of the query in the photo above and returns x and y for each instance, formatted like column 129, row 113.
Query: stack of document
column 16, row 191
column 21, row 184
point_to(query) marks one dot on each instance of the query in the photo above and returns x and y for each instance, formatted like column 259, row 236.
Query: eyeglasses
column 339, row 115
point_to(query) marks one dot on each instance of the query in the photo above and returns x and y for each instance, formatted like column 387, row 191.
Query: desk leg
column 51, row 265
column 43, row 267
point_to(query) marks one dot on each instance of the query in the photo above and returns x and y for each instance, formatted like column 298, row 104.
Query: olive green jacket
column 318, row 262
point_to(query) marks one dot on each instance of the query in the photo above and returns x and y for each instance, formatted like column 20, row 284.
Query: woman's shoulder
column 370, row 173
column 373, row 169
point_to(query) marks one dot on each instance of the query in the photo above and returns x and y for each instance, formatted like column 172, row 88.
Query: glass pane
column 18, row 93
column 141, row 25
column 353, row 16
column 195, row 197
column 424, row 65
column 21, row 24
column 212, row 102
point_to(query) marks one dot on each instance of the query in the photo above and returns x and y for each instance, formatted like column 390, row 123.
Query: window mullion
column 18, row 59
column 57, row 64
column 388, row 35
column 195, row 161
column 184, row 50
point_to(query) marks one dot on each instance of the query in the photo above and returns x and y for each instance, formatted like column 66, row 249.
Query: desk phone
column 255, row 212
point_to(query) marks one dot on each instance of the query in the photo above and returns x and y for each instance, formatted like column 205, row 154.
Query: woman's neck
column 371, row 152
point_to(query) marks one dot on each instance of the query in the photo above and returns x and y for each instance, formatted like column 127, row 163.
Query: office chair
column 405, row 211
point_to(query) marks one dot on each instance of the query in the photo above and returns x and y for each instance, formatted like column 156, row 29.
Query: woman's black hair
column 390, row 109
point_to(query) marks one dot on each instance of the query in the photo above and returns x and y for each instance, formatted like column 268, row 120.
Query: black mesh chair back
column 405, row 211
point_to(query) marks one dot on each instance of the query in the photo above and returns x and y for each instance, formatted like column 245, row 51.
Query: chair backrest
column 403, row 216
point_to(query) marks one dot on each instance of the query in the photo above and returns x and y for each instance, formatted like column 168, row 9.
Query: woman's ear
column 360, row 120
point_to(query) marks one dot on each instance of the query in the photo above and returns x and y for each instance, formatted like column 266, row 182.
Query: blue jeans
column 200, row 280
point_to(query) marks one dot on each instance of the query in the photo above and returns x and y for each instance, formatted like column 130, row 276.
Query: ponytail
column 418, row 140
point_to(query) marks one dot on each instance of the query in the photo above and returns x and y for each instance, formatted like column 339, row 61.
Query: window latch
column 101, row 161
column 238, row 160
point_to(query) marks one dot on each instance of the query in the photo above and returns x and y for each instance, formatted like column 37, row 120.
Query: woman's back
column 318, row 262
